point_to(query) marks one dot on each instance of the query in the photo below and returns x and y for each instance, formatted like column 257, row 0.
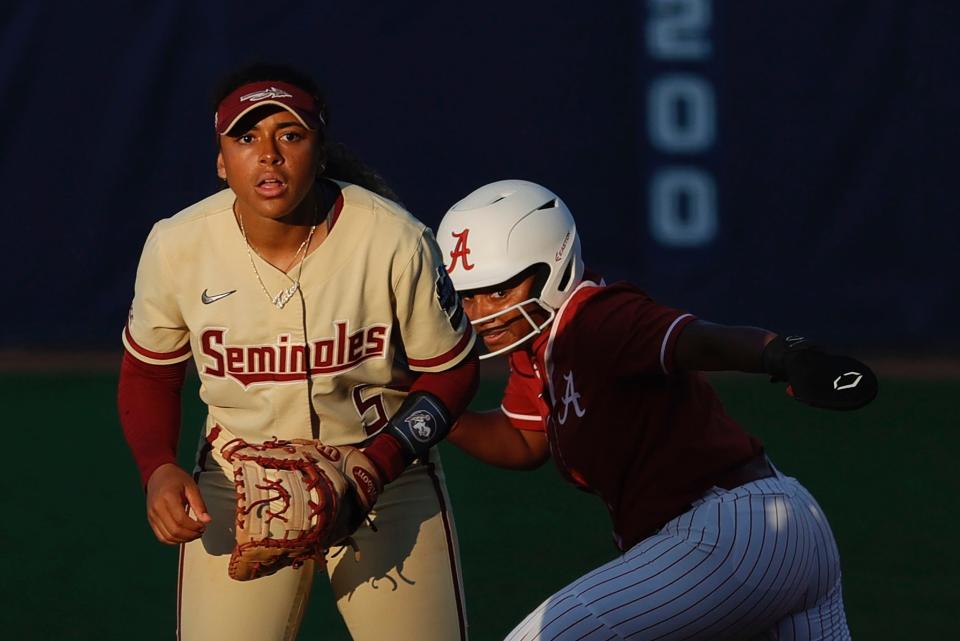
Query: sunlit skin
column 501, row 331
column 272, row 167
column 489, row 436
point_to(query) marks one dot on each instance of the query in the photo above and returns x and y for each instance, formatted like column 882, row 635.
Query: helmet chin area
column 534, row 327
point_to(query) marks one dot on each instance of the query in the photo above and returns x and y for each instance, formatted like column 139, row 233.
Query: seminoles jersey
column 375, row 307
column 620, row 421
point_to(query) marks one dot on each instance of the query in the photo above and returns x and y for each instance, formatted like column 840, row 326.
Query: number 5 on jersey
column 373, row 402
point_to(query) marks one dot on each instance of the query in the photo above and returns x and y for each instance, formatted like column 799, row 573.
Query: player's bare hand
column 170, row 492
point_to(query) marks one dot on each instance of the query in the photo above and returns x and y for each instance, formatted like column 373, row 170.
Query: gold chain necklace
column 284, row 295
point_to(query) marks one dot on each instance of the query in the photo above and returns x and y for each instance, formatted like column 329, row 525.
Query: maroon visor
column 248, row 97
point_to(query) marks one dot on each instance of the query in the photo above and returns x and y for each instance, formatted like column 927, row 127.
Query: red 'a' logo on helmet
column 460, row 252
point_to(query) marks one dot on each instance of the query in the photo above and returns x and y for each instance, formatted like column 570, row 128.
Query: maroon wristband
column 387, row 455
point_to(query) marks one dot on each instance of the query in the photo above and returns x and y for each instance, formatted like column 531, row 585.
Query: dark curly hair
column 341, row 163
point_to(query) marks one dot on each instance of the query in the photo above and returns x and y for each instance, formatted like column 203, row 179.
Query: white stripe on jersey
column 548, row 351
column 666, row 339
column 521, row 417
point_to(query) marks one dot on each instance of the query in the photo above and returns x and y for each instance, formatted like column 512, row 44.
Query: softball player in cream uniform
column 326, row 349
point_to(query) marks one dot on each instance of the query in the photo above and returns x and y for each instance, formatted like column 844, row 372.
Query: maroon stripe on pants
column 201, row 463
column 180, row 590
column 451, row 547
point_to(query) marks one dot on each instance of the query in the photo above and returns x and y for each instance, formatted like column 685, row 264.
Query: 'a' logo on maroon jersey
column 460, row 252
column 570, row 397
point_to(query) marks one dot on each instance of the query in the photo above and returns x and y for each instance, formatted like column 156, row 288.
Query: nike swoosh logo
column 207, row 298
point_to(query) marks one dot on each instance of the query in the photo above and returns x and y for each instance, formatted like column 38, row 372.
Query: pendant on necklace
column 284, row 295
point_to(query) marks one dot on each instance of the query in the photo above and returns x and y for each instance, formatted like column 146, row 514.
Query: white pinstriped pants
column 757, row 562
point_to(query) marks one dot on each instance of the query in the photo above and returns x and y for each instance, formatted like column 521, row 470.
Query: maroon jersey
column 620, row 421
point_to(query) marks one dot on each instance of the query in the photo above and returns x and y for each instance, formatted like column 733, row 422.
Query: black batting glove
column 816, row 378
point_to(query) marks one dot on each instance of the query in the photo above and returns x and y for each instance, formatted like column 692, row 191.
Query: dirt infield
column 12, row 361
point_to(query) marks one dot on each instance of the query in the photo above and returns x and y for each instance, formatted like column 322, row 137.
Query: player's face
column 272, row 165
column 497, row 333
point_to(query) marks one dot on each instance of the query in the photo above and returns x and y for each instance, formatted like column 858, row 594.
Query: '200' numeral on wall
column 681, row 119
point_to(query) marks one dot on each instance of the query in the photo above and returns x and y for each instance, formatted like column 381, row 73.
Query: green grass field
column 81, row 563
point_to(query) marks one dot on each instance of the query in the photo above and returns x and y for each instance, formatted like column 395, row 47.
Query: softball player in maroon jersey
column 313, row 308
column 716, row 542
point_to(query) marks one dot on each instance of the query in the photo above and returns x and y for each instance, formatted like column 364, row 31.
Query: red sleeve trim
column 521, row 417
column 148, row 401
column 526, row 422
column 159, row 356
column 454, row 387
column 335, row 212
column 446, row 357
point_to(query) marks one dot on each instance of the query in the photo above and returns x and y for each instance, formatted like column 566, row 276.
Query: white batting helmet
column 505, row 227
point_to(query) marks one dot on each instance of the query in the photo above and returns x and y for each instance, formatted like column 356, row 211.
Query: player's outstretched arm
column 813, row 376
column 170, row 491
column 710, row 347
column 491, row 438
